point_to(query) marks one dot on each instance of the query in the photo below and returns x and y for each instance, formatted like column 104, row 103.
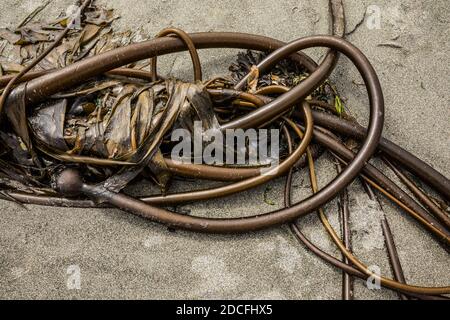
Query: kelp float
column 84, row 114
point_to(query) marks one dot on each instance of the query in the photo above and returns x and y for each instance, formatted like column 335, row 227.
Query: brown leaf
column 89, row 32
column 160, row 171
column 10, row 36
column 252, row 81
column 11, row 67
column 16, row 112
column 48, row 125
column 141, row 119
column 117, row 133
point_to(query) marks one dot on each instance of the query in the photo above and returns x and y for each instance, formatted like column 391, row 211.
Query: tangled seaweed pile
column 89, row 119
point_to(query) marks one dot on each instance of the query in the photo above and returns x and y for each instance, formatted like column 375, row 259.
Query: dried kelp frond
column 47, row 125
column 286, row 73
column 33, row 37
column 119, row 122
column 103, row 122
column 283, row 73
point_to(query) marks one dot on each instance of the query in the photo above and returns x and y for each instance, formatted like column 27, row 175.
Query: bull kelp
column 85, row 114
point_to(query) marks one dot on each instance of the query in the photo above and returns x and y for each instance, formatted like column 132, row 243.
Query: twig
column 360, row 22
column 61, row 36
column 394, row 45
column 347, row 280
column 389, row 240
column 419, row 194
column 33, row 14
column 12, row 199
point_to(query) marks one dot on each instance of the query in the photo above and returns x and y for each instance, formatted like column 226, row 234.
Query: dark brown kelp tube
column 80, row 127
